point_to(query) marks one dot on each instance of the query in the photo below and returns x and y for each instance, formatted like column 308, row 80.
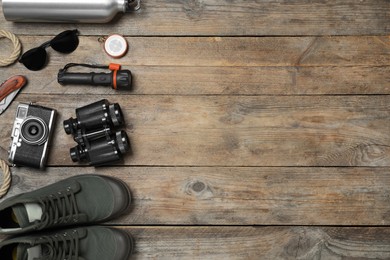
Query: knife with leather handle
column 9, row 89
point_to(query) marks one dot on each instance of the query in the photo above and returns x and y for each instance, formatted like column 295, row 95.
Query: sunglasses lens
column 65, row 42
column 34, row 59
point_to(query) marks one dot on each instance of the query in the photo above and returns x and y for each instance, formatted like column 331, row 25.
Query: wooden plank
column 231, row 51
column 236, row 130
column 177, row 80
column 239, row 195
column 198, row 123
column 193, row 66
column 261, row 243
column 239, row 17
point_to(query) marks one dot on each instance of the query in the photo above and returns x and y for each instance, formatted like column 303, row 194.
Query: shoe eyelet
column 75, row 220
column 59, row 193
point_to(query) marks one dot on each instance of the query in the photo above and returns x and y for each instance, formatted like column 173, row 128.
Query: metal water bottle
column 66, row 11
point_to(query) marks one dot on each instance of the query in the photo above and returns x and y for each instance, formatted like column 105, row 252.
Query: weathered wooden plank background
column 237, row 130
column 259, row 129
column 242, row 195
column 231, row 65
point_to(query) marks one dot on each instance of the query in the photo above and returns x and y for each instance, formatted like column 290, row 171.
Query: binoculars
column 94, row 131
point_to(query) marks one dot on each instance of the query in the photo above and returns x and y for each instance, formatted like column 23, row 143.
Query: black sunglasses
column 65, row 42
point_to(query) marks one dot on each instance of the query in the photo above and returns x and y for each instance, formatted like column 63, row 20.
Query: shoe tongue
column 27, row 252
column 27, row 213
column 21, row 216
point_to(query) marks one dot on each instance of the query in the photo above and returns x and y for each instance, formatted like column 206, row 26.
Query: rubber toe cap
column 125, row 245
column 122, row 196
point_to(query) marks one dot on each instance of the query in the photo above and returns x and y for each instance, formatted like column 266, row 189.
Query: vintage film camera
column 31, row 134
column 94, row 132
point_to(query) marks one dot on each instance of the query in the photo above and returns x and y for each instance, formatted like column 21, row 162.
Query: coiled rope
column 17, row 48
column 6, row 178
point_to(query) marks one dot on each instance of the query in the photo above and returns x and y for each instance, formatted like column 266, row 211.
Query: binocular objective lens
column 123, row 141
column 116, row 115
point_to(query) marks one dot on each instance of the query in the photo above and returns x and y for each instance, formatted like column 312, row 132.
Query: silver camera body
column 31, row 135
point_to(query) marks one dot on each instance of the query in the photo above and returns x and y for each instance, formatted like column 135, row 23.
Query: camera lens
column 33, row 131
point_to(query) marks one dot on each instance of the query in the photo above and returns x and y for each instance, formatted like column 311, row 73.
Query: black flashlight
column 118, row 79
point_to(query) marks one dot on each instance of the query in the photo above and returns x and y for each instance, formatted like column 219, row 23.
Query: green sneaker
column 86, row 243
column 73, row 201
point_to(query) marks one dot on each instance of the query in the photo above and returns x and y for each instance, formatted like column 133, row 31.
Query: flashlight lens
column 124, row 80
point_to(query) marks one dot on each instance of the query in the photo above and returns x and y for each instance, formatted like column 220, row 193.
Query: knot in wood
column 198, row 186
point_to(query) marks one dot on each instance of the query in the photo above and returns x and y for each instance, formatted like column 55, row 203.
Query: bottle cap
column 115, row 46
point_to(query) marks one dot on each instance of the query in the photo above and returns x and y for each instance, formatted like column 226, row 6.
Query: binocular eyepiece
column 94, row 131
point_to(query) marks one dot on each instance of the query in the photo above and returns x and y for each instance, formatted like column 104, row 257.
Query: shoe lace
column 59, row 208
column 63, row 246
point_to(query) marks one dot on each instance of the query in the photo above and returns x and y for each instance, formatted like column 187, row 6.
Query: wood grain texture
column 238, row 17
column 239, row 111
column 236, row 130
column 230, row 51
column 228, row 66
column 261, row 243
column 189, row 80
column 239, row 195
